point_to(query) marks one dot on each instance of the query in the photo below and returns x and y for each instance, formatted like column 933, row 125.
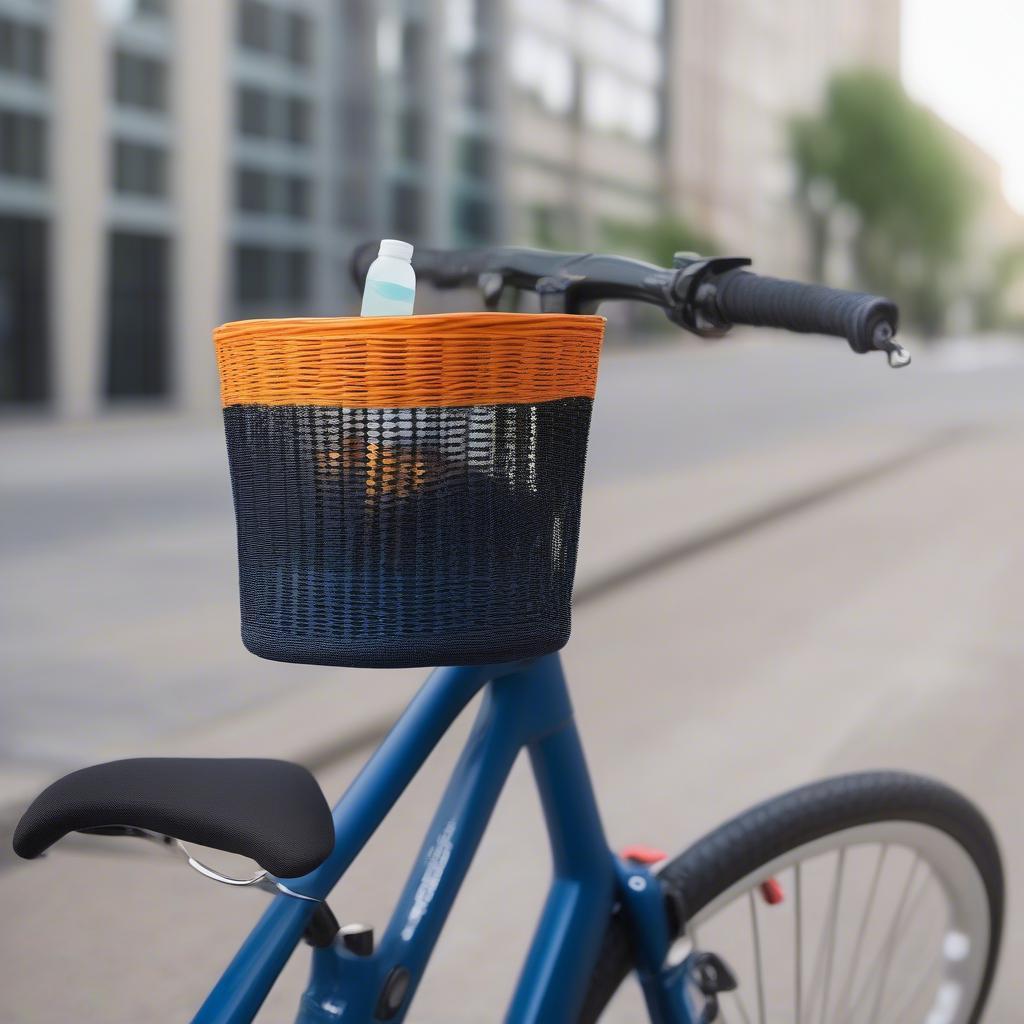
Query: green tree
column 874, row 149
column 657, row 241
column 990, row 303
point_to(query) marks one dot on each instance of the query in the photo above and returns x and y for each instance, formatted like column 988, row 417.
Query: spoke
column 757, row 958
column 837, row 888
column 879, row 962
column 931, row 971
column 890, row 943
column 817, row 974
column 798, row 913
column 843, row 1004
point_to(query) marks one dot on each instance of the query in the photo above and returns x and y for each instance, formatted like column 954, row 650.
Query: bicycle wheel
column 861, row 899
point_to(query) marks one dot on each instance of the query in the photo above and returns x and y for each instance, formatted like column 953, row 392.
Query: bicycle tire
column 736, row 850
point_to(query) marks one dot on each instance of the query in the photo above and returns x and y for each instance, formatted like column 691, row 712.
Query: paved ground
column 877, row 626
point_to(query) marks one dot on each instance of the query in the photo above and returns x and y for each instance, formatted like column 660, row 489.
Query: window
column 139, row 168
column 474, row 219
column 22, row 145
column 259, row 191
column 406, row 209
column 268, row 30
column 138, row 314
column 254, row 30
column 252, row 190
column 357, row 125
column 299, row 122
column 24, row 334
column 476, row 85
column 254, row 112
column 613, row 104
column 355, row 201
column 358, row 15
column 270, row 276
column 265, row 115
column 22, row 48
column 475, row 157
column 412, row 142
column 298, row 203
column 297, row 36
column 414, row 50
column 297, row 275
column 124, row 10
column 545, row 70
column 140, row 81
column 603, row 39
column 151, row 8
column 252, row 273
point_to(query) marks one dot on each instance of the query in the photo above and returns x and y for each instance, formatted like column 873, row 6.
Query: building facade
column 26, row 202
column 585, row 111
column 166, row 165
column 739, row 70
column 169, row 164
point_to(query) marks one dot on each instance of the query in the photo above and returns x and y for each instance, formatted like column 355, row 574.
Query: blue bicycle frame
column 526, row 705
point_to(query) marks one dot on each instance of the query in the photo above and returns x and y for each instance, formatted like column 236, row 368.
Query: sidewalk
column 880, row 627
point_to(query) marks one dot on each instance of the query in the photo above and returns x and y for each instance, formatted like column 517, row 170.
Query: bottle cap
column 393, row 247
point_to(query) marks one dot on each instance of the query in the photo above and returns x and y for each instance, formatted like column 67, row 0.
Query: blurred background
column 165, row 166
column 801, row 561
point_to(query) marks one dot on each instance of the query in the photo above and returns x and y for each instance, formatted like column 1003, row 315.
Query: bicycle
column 898, row 875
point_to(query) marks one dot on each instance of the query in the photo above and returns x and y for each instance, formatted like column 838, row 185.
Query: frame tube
column 394, row 764
column 340, row 980
column 527, row 706
column 242, row 988
column 579, row 903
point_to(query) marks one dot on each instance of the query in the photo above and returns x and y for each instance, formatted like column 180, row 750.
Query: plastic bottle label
column 386, row 298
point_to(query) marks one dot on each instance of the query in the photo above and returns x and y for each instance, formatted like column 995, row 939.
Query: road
column 879, row 627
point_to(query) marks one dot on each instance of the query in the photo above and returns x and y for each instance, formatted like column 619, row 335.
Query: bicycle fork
column 668, row 985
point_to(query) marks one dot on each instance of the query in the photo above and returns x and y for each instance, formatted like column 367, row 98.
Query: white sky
column 965, row 59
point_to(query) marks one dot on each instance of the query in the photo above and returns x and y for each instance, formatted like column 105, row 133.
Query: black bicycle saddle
column 271, row 811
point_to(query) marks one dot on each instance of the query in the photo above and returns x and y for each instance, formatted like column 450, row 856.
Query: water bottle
column 390, row 288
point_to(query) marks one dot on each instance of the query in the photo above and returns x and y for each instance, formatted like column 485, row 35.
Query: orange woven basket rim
column 442, row 359
column 325, row 326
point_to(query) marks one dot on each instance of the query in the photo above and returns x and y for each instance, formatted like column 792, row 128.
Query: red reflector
column 644, row 854
column 772, row 892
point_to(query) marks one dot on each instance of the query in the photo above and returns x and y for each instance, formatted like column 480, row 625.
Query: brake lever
column 693, row 292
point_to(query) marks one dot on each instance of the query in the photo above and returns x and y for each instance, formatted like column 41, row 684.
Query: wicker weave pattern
column 459, row 547
column 410, row 532
column 407, row 362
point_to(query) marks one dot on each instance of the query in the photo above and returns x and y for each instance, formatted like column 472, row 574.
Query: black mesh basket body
column 389, row 536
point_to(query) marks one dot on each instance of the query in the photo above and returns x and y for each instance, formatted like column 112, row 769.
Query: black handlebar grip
column 746, row 298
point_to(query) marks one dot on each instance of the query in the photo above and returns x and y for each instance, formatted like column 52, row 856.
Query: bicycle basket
column 407, row 489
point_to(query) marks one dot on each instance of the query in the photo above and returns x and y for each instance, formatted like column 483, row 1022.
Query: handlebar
column 706, row 296
column 866, row 321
